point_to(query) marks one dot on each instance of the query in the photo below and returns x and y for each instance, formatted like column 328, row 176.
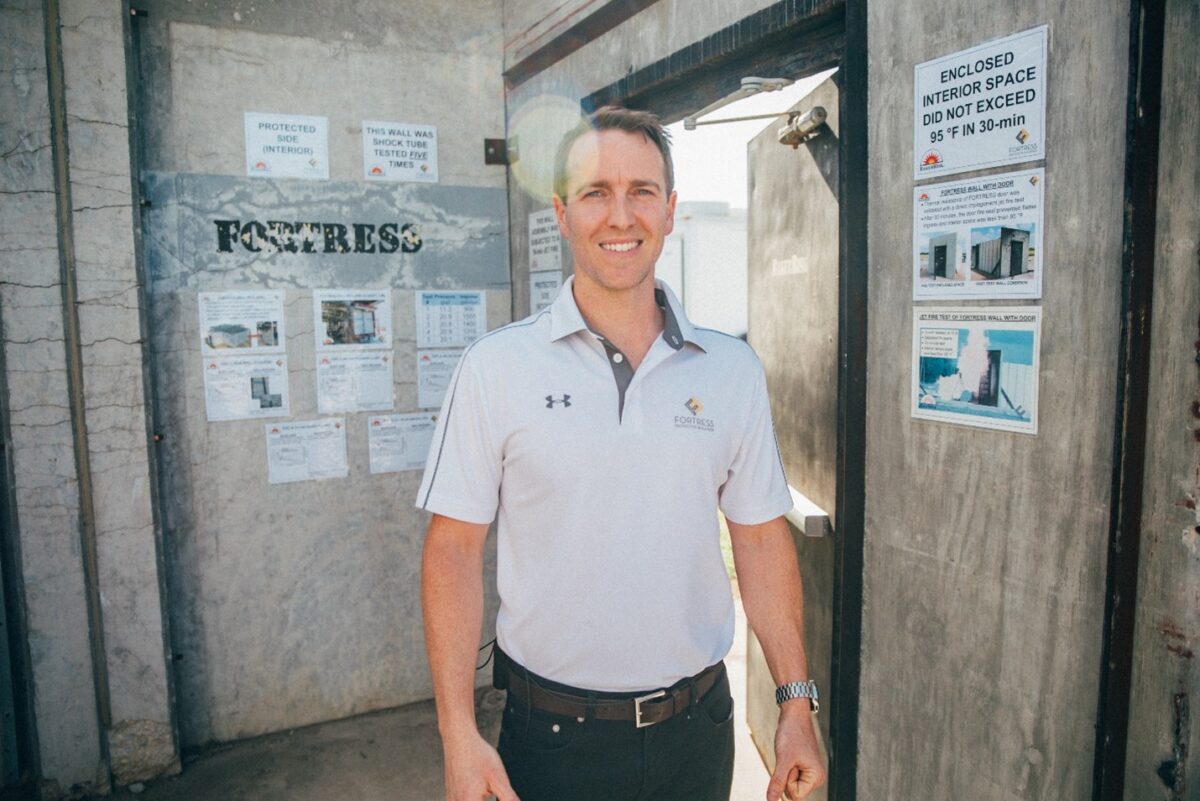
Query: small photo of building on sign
column 1000, row 251
column 984, row 373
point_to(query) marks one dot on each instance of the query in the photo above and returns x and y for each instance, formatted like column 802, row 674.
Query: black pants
column 688, row 757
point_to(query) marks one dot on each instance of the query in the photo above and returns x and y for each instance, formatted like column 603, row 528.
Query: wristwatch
column 798, row 689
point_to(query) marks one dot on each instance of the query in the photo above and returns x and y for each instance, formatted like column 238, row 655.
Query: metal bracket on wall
column 499, row 151
column 810, row 519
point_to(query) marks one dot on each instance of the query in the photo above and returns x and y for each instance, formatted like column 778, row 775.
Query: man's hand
column 474, row 771
column 798, row 766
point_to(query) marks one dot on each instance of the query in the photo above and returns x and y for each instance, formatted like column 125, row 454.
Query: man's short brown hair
column 615, row 118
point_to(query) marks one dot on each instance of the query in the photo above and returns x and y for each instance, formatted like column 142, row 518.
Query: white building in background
column 704, row 262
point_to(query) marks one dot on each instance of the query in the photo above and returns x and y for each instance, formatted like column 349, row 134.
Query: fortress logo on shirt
column 695, row 421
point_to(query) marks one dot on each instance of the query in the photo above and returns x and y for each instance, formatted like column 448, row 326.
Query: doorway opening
column 777, row 42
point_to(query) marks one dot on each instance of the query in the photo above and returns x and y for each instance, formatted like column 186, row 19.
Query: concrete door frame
column 792, row 39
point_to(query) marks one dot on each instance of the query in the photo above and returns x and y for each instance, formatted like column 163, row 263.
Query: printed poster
column 435, row 368
column 352, row 319
column 977, row 366
column 400, row 151
column 543, row 289
column 545, row 243
column 399, row 442
column 359, row 381
column 241, row 321
column 245, row 387
column 979, row 238
column 981, row 107
column 306, row 451
column 450, row 319
column 287, row 146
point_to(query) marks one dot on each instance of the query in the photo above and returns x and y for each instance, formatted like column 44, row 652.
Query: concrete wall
column 40, row 436
column 289, row 604
column 298, row 603
column 984, row 599
column 1164, row 732
column 100, row 286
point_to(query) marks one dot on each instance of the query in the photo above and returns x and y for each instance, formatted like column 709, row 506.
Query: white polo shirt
column 607, row 484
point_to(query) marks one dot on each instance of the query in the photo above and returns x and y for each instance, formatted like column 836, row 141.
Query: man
column 605, row 431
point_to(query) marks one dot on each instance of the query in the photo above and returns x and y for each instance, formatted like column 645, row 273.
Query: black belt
column 644, row 710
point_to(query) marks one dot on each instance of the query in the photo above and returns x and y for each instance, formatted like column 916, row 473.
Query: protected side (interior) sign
column 981, row 107
column 287, row 146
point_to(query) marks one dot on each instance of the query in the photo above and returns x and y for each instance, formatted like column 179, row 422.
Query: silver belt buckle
column 637, row 708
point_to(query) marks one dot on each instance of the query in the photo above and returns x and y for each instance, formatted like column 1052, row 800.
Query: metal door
column 794, row 302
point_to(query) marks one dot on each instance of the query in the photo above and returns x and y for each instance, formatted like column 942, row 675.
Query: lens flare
column 536, row 128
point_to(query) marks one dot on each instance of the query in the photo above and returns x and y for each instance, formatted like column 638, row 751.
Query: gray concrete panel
column 140, row 735
column 291, row 603
column 985, row 552
column 793, row 326
column 46, row 490
column 204, row 64
column 1164, row 727
column 462, row 234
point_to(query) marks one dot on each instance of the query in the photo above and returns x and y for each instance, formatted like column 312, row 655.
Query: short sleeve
column 462, row 472
column 756, row 489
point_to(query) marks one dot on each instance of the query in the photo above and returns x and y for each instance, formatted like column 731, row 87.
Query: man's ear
column 560, row 213
column 670, row 212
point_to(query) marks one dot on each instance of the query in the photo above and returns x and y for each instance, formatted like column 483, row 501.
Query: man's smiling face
column 617, row 211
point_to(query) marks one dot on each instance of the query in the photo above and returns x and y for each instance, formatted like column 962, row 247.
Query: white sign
column 400, row 151
column 234, row 321
column 352, row 319
column 305, row 451
column 354, row 381
column 982, row 107
column 545, row 242
column 977, row 367
column 287, row 146
column 400, row 441
column 245, row 387
column 450, row 319
column 543, row 289
column 979, row 238
column 434, row 371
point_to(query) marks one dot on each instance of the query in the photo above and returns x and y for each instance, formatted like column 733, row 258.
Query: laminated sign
column 982, row 107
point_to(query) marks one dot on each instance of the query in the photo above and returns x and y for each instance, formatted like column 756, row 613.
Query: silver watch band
column 798, row 689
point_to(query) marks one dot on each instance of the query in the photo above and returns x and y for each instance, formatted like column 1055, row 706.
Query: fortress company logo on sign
column 276, row 236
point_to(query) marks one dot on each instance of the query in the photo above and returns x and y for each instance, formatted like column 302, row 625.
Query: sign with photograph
column 287, row 146
column 979, row 238
column 238, row 322
column 977, row 366
column 981, row 107
column 352, row 319
column 245, row 387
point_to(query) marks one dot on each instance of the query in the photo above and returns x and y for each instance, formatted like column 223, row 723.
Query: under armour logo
column 565, row 400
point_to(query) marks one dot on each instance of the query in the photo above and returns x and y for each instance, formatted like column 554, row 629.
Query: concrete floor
column 393, row 755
